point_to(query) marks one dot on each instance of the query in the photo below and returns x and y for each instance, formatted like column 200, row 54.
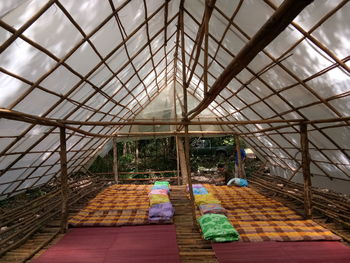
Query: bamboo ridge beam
column 283, row 16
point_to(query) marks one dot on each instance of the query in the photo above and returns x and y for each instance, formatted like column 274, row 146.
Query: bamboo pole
column 305, row 163
column 165, row 23
column 199, row 39
column 182, row 160
column 21, row 116
column 184, row 114
column 115, row 161
column 43, row 137
column 298, row 80
column 282, row 17
column 149, row 45
column 64, row 180
column 239, row 157
column 177, row 160
column 315, row 41
column 206, row 38
column 189, row 179
column 286, row 137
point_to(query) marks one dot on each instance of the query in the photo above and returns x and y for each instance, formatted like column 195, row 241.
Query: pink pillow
column 158, row 192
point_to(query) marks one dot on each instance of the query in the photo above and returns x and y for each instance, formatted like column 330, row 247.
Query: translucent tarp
column 115, row 64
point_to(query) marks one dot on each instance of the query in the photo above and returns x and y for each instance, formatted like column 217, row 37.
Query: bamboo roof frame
column 283, row 98
column 114, row 114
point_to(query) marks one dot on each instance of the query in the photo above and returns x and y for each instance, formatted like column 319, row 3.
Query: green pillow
column 216, row 227
column 162, row 183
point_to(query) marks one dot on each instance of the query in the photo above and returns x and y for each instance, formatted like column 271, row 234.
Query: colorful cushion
column 158, row 199
column 163, row 187
column 212, row 209
column 217, row 228
column 206, row 199
column 162, row 183
column 164, row 211
column 159, row 192
column 200, row 191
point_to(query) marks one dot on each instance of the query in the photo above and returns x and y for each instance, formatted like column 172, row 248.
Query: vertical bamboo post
column 239, row 157
column 184, row 114
column 182, row 159
column 305, row 163
column 188, row 168
column 115, row 161
column 64, row 180
column 177, row 160
column 137, row 153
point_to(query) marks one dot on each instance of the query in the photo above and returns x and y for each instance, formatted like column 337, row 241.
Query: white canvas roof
column 115, row 60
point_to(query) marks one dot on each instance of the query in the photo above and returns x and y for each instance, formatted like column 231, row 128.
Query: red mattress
column 130, row 244
column 286, row 252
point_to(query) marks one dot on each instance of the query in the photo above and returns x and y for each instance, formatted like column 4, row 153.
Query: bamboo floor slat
column 191, row 245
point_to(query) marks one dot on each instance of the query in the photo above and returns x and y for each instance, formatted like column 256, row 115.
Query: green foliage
column 158, row 155
column 153, row 155
column 102, row 165
column 126, row 158
column 3, row 203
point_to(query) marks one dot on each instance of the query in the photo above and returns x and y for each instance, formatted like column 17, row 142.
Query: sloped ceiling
column 108, row 60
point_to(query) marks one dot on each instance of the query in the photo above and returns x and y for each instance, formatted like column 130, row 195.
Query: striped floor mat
column 117, row 205
column 259, row 218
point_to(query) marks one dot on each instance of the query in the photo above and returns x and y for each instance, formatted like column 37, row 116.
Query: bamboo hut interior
column 76, row 76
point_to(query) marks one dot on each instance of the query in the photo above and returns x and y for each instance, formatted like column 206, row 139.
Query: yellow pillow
column 206, row 199
column 158, row 199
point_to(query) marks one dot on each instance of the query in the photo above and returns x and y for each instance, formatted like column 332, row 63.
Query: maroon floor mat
column 130, row 244
column 286, row 252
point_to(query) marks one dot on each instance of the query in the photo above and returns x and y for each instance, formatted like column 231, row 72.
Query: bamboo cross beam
column 174, row 122
column 21, row 116
column 282, row 17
